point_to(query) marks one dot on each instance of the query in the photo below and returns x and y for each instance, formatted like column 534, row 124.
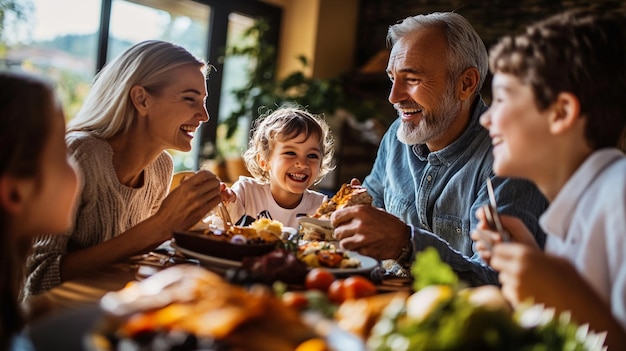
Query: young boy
column 557, row 113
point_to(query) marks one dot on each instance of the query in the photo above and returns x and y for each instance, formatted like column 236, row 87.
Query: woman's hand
column 190, row 201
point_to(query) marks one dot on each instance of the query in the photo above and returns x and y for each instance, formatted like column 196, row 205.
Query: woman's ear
column 139, row 98
column 566, row 113
column 14, row 193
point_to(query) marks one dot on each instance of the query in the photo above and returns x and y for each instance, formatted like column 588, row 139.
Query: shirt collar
column 448, row 154
column 558, row 216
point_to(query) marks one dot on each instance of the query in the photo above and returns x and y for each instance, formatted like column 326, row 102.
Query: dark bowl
column 210, row 245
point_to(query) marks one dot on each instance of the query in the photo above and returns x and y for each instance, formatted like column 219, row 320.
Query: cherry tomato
column 353, row 287
column 319, row 278
column 294, row 299
column 336, row 291
column 357, row 286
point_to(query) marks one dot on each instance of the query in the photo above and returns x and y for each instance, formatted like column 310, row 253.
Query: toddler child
column 290, row 150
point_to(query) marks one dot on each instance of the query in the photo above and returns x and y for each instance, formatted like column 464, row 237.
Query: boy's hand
column 486, row 239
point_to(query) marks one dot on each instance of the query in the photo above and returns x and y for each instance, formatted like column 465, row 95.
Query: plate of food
column 216, row 264
column 190, row 308
column 327, row 254
column 261, row 237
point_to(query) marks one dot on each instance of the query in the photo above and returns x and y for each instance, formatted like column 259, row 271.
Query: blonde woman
column 148, row 100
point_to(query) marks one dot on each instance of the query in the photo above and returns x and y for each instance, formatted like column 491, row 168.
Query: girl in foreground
column 37, row 186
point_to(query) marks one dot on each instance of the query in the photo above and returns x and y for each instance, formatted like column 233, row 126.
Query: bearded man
column 429, row 177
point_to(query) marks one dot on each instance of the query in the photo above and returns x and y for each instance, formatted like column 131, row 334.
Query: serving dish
column 213, row 245
column 221, row 265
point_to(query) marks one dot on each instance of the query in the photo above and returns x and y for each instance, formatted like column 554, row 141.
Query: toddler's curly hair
column 285, row 123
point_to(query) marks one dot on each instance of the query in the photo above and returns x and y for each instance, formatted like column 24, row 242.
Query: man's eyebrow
column 406, row 70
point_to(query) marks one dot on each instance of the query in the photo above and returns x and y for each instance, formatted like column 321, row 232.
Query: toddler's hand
column 227, row 194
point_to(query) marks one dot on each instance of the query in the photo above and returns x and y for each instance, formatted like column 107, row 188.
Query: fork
column 225, row 216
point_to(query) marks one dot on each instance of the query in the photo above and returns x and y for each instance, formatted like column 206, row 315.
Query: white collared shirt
column 586, row 224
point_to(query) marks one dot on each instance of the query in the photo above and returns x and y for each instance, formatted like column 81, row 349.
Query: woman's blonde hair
column 108, row 109
column 287, row 122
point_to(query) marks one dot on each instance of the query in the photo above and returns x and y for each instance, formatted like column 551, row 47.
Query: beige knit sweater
column 106, row 208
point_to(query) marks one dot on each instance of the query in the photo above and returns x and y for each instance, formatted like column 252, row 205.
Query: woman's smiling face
column 519, row 131
column 179, row 109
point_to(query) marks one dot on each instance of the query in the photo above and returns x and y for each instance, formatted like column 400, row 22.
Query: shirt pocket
column 454, row 230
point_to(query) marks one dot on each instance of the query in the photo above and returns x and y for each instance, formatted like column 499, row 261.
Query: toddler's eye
column 314, row 156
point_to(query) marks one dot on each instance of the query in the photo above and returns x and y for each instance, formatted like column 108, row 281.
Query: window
column 70, row 46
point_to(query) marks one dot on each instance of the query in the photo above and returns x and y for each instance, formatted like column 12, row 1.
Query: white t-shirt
column 254, row 197
column 586, row 224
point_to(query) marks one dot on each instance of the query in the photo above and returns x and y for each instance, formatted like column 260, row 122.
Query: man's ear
column 14, row 192
column 467, row 83
column 139, row 97
column 566, row 113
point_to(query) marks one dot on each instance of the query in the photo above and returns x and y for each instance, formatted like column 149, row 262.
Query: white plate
column 221, row 265
column 322, row 226
column 367, row 264
column 323, row 223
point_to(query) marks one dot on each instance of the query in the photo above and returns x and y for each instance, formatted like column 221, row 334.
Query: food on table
column 319, row 278
column 263, row 230
column 326, row 254
column 278, row 265
column 347, row 195
column 353, row 287
column 443, row 314
column 189, row 308
column 358, row 316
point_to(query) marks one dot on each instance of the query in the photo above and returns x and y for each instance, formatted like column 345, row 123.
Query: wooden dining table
column 64, row 314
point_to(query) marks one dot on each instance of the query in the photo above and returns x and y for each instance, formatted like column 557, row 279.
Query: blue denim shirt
column 439, row 192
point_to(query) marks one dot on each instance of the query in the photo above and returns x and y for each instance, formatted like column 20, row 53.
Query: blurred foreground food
column 190, row 308
column 444, row 315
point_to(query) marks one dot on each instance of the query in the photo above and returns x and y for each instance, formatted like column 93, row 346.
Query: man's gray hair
column 466, row 48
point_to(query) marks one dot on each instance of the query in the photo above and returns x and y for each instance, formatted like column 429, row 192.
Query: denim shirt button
column 429, row 178
column 458, row 230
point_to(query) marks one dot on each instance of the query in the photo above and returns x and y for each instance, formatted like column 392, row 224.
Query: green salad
column 443, row 314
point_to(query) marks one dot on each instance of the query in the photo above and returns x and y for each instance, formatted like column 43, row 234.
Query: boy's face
column 293, row 165
column 519, row 131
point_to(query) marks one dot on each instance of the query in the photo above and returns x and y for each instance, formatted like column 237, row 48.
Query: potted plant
column 262, row 92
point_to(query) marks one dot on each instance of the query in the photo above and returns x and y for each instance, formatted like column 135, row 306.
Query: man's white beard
column 432, row 124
